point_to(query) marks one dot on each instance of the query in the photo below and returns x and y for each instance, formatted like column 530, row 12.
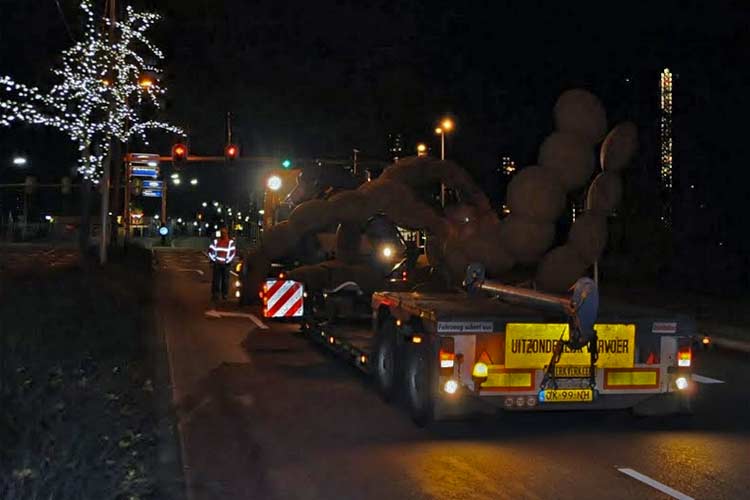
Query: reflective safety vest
column 222, row 251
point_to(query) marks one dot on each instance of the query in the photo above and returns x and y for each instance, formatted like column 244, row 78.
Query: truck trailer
column 491, row 347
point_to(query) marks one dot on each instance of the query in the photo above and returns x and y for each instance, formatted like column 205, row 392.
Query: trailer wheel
column 420, row 390
column 386, row 363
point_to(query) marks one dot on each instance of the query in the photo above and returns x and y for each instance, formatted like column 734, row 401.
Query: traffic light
column 179, row 153
column 287, row 163
column 231, row 152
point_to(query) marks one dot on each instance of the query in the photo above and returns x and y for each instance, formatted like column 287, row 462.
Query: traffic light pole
column 164, row 204
column 126, row 207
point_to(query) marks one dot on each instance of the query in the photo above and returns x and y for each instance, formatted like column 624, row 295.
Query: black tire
column 386, row 361
column 419, row 382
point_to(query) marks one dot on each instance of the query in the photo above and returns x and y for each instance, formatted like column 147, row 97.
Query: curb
column 171, row 475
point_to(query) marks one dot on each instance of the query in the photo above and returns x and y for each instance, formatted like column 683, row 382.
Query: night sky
column 320, row 78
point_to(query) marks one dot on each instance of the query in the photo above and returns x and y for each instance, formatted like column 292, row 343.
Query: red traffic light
column 231, row 152
column 179, row 152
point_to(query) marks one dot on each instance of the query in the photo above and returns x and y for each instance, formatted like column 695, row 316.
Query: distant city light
column 175, row 176
column 261, row 212
column 176, row 181
column 194, row 181
column 216, row 203
column 19, row 161
column 204, row 204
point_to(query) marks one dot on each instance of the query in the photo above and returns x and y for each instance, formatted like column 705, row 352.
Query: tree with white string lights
column 102, row 89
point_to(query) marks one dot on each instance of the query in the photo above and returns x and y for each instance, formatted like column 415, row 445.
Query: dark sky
column 320, row 78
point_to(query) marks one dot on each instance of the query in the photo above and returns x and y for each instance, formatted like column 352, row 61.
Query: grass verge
column 77, row 415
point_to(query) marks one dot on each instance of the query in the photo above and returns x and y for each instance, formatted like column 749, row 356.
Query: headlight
column 274, row 183
column 681, row 383
column 387, row 251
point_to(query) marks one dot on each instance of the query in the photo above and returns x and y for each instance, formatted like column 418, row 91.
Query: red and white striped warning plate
column 283, row 299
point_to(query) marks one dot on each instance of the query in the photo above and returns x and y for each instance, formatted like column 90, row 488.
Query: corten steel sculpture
column 471, row 231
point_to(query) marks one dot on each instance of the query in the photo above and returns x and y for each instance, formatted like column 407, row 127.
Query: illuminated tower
column 507, row 166
column 395, row 146
column 665, row 145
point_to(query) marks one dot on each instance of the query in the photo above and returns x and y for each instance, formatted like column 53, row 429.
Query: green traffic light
column 286, row 163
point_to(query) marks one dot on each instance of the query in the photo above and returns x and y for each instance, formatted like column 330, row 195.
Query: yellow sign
column 530, row 345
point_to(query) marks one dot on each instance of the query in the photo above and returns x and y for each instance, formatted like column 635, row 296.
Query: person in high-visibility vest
column 221, row 252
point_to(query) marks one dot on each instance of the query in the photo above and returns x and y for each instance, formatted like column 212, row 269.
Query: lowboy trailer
column 496, row 347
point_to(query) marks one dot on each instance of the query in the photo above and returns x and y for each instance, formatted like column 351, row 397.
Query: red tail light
column 447, row 355
column 447, row 359
column 684, row 357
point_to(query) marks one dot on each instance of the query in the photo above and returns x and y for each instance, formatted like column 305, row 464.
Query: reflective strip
column 502, row 379
column 282, row 298
column 286, row 285
column 294, row 300
column 636, row 378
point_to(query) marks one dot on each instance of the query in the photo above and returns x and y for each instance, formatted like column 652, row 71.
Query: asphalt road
column 265, row 414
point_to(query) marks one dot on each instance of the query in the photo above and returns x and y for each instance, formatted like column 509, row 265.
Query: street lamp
column 446, row 125
column 20, row 161
column 146, row 83
column 274, row 183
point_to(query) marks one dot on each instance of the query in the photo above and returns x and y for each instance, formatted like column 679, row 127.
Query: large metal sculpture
column 470, row 231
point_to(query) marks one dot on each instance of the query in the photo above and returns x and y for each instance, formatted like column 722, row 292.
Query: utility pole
column 355, row 162
column 104, row 236
column 126, row 207
column 229, row 127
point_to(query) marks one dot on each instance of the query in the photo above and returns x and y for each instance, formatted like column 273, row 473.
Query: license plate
column 566, row 396
column 573, row 371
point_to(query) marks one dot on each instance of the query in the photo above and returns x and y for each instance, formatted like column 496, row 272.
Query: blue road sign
column 151, row 193
column 144, row 171
column 153, row 185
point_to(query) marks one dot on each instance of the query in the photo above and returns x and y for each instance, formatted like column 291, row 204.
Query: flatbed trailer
column 453, row 353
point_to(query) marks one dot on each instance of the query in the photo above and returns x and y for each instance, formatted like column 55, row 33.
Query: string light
column 100, row 94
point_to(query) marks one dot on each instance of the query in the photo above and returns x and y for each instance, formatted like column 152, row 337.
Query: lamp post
column 445, row 126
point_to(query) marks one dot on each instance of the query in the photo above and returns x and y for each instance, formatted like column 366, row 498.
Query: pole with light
column 446, row 126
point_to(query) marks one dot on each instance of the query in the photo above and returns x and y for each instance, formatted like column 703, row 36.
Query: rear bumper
column 648, row 404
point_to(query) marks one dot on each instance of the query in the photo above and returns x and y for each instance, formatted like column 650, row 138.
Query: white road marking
column 191, row 271
column 213, row 313
column 705, row 380
column 655, row 484
column 258, row 322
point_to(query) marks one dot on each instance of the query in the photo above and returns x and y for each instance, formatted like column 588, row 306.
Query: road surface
column 265, row 414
